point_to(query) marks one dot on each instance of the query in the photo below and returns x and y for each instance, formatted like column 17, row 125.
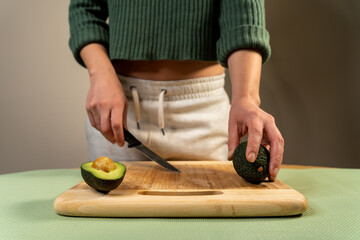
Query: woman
column 157, row 68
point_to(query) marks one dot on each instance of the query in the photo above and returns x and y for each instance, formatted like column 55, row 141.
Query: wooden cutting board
column 202, row 189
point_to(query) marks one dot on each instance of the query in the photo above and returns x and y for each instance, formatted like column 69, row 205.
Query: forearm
column 96, row 59
column 245, row 72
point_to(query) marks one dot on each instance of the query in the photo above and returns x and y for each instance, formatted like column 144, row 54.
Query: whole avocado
column 255, row 172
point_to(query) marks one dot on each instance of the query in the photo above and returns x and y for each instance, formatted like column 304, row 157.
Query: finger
column 277, row 150
column 91, row 109
column 233, row 139
column 125, row 114
column 105, row 126
column 97, row 121
column 117, row 125
column 254, row 139
column 265, row 142
column 91, row 118
column 267, row 146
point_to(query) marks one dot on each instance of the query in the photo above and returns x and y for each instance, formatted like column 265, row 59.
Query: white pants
column 195, row 117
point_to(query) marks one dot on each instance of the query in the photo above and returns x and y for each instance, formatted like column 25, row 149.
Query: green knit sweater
column 208, row 30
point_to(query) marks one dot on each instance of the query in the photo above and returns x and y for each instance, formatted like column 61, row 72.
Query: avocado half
column 100, row 180
column 255, row 172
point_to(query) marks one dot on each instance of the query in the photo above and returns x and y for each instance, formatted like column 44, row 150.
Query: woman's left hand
column 247, row 117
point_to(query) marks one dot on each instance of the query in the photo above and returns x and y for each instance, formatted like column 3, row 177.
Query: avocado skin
column 248, row 170
column 101, row 185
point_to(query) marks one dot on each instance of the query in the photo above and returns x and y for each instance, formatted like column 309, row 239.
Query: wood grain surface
column 202, row 189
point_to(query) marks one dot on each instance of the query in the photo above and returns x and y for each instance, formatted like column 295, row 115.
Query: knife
column 133, row 142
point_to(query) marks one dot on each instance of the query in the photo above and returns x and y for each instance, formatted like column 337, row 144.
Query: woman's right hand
column 106, row 105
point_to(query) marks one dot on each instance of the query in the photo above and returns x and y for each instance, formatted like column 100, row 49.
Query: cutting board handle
column 180, row 193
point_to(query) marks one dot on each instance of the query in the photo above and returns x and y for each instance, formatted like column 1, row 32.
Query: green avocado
column 100, row 180
column 255, row 172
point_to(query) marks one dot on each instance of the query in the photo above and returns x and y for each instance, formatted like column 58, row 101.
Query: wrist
column 96, row 60
column 101, row 70
column 254, row 99
column 101, row 73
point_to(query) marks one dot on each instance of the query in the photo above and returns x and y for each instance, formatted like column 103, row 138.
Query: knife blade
column 134, row 142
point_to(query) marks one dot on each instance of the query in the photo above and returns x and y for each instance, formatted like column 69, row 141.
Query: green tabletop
column 26, row 212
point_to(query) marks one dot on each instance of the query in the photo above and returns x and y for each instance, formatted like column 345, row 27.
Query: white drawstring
column 161, row 120
column 161, row 111
column 135, row 95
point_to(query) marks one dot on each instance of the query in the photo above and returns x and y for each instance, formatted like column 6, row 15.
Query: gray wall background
column 311, row 84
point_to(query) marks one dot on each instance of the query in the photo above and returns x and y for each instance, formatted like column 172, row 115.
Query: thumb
column 234, row 139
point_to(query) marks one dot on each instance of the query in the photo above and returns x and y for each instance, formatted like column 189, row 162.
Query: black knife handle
column 132, row 141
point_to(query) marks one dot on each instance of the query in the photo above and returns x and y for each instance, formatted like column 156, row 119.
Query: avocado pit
column 104, row 163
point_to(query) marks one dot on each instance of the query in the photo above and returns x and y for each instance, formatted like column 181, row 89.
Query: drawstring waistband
column 169, row 91
column 175, row 89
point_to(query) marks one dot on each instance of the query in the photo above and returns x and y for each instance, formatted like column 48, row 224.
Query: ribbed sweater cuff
column 85, row 36
column 243, row 37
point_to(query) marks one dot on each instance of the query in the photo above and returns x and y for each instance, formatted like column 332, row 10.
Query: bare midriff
column 167, row 69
